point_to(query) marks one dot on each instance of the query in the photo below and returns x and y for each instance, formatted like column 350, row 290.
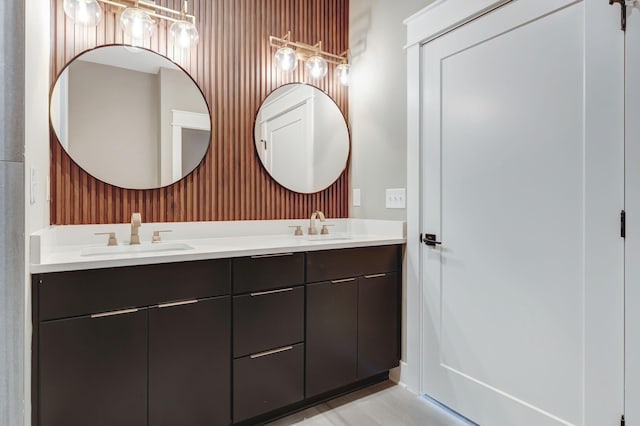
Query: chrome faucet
column 312, row 221
column 136, row 222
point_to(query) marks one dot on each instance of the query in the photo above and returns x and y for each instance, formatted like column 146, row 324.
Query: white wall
column 377, row 102
column 36, row 151
column 106, row 150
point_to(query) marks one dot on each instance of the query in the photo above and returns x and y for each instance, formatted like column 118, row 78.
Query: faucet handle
column 113, row 241
column 156, row 235
column 298, row 230
column 136, row 218
column 324, row 230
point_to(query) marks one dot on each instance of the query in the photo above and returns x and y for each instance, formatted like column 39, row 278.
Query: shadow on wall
column 360, row 26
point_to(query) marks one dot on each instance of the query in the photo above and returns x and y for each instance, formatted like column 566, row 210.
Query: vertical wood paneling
column 233, row 66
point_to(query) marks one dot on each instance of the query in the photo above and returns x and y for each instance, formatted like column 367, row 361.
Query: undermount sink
column 132, row 249
column 328, row 237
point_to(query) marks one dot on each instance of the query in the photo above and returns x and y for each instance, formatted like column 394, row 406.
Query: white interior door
column 287, row 150
column 632, row 201
column 523, row 182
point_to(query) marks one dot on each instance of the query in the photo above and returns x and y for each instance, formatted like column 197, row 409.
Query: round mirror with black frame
column 301, row 138
column 130, row 117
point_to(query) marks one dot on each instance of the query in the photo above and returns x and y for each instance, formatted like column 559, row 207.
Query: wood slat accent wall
column 232, row 64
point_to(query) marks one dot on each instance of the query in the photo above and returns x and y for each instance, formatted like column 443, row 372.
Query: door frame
column 436, row 20
column 632, row 209
column 431, row 22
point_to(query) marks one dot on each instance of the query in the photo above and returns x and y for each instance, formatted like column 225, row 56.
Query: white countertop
column 60, row 248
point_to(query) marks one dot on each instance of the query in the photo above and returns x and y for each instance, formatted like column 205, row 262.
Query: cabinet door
column 378, row 325
column 93, row 371
column 331, row 335
column 189, row 363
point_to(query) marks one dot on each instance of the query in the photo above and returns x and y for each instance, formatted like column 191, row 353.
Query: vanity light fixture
column 286, row 59
column 85, row 12
column 137, row 19
column 317, row 60
column 342, row 73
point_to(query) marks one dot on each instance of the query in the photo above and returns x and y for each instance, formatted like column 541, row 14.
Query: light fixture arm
column 306, row 50
column 153, row 9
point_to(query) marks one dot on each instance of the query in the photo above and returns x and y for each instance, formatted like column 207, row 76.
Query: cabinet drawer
column 67, row 294
column 267, row 381
column 336, row 264
column 258, row 273
column 267, row 320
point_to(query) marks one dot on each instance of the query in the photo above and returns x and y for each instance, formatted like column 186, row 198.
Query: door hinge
column 623, row 224
column 622, row 420
column 623, row 11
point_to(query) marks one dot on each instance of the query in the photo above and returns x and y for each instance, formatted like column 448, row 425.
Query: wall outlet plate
column 356, row 197
column 396, row 198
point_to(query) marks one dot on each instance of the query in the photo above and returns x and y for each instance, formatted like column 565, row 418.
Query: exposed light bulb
column 137, row 24
column 286, row 59
column 317, row 67
column 342, row 74
column 85, row 12
column 184, row 33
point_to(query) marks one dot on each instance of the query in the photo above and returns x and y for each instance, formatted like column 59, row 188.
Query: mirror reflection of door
column 194, row 141
column 301, row 138
column 285, row 155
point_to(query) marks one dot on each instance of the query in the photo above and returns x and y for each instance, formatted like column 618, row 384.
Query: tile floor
column 384, row 404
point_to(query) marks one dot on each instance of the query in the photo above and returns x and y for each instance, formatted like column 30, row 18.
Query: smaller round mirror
column 130, row 117
column 301, row 138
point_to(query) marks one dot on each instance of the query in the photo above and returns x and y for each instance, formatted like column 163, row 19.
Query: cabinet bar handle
column 262, row 293
column 110, row 314
column 375, row 276
column 261, row 256
column 346, row 280
column 275, row 351
column 184, row 302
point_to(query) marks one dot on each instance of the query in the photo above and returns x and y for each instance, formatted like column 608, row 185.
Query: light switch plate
column 396, row 198
column 356, row 197
column 33, row 181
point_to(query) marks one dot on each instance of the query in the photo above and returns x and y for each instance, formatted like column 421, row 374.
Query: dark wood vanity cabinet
column 158, row 353
column 212, row 342
column 353, row 327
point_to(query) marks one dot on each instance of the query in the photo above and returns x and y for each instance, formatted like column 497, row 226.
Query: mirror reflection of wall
column 301, row 138
column 114, row 111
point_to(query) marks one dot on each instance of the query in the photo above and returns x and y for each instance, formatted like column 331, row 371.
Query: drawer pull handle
column 263, row 293
column 346, row 280
column 262, row 256
column 375, row 276
column 267, row 353
column 113, row 313
column 183, row 302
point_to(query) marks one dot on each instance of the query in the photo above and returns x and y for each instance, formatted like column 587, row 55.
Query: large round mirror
column 130, row 117
column 301, row 138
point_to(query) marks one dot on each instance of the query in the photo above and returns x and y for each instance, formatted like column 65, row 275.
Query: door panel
column 523, row 185
column 632, row 207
